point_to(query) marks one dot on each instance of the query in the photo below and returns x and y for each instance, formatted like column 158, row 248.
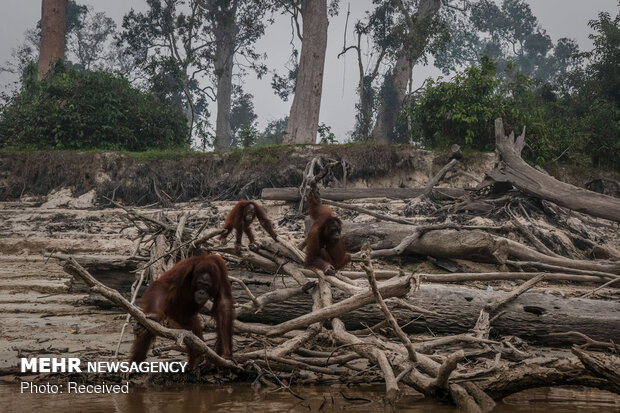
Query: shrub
column 80, row 109
column 458, row 111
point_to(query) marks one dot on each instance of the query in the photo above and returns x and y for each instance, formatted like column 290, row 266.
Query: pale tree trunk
column 304, row 116
column 53, row 26
column 398, row 79
column 225, row 49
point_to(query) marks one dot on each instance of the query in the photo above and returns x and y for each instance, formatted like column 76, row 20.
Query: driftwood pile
column 460, row 345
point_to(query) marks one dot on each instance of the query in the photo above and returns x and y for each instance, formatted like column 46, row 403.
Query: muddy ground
column 45, row 312
column 141, row 179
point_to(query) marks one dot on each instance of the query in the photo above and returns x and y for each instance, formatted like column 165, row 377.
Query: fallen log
column 474, row 245
column 393, row 288
column 105, row 262
column 466, row 244
column 545, row 372
column 343, row 194
column 601, row 365
column 513, row 169
column 532, row 316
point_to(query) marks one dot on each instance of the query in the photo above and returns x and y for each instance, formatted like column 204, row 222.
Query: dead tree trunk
column 550, row 372
column 343, row 194
column 464, row 244
column 513, row 169
column 532, row 316
column 448, row 243
column 53, row 27
column 304, row 116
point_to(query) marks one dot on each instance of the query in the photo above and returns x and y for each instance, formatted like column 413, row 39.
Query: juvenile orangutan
column 240, row 218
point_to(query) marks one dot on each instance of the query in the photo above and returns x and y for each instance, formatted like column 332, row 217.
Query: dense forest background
column 154, row 81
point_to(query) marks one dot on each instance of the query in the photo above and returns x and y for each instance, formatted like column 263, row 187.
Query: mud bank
column 145, row 179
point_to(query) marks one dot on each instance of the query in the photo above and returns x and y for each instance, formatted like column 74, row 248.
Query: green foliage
column 603, row 74
column 325, row 134
column 274, row 132
column 601, row 125
column 76, row 109
column 242, row 112
column 248, row 135
column 576, row 119
column 459, row 111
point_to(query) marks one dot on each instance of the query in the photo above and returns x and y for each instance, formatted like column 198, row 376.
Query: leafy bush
column 248, row 135
column 561, row 123
column 78, row 109
column 459, row 111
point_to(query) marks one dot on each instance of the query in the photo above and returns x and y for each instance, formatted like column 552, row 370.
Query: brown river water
column 242, row 398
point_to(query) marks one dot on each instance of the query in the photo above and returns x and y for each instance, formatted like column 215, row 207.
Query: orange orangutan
column 178, row 295
column 325, row 248
column 240, row 218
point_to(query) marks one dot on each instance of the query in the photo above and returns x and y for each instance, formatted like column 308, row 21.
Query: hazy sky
column 561, row 18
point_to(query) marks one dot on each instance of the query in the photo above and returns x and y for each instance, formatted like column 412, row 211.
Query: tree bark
column 465, row 244
column 304, row 116
column 531, row 316
column 53, row 27
column 395, row 84
column 448, row 243
column 343, row 194
column 602, row 365
column 225, row 39
column 513, row 169
column 395, row 89
column 548, row 372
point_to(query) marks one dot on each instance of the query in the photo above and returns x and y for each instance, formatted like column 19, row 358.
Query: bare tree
column 53, row 28
column 304, row 116
column 88, row 41
column 369, row 65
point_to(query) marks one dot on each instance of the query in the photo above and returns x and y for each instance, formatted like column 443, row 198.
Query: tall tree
column 223, row 15
column 415, row 35
column 510, row 34
column 383, row 42
column 236, row 25
column 195, row 42
column 304, row 115
column 89, row 43
column 171, row 43
column 53, row 26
